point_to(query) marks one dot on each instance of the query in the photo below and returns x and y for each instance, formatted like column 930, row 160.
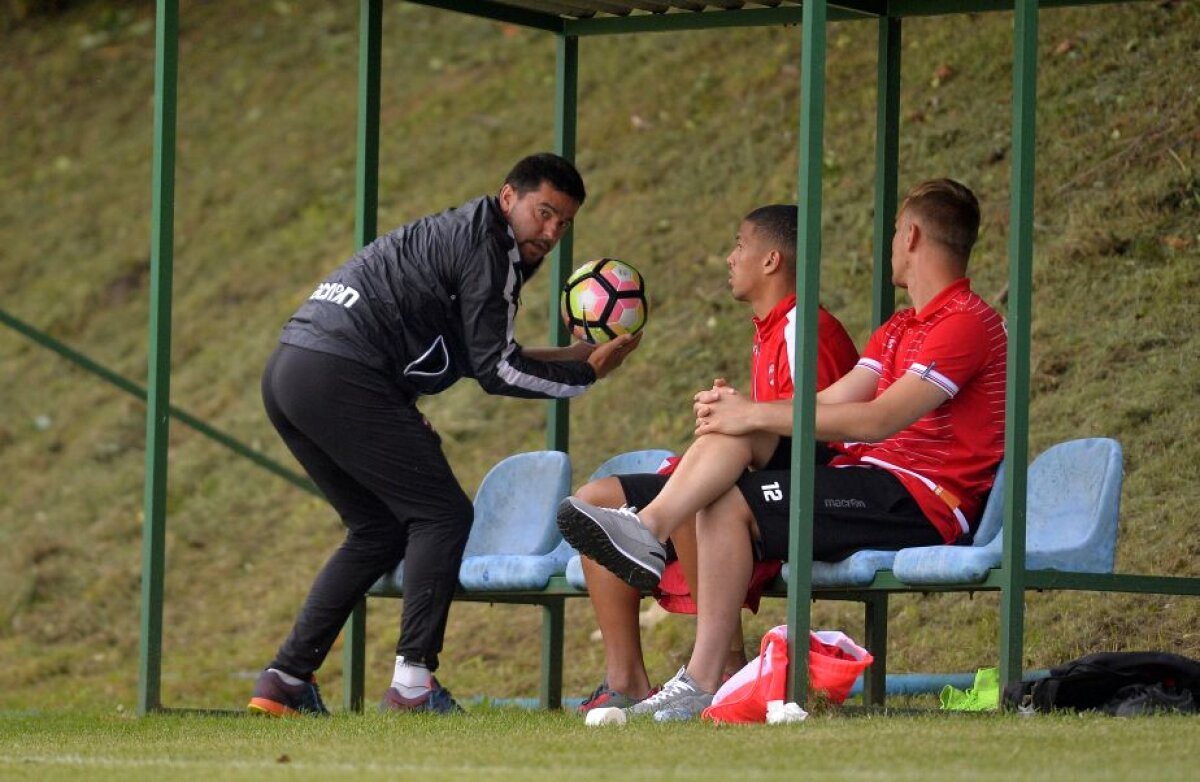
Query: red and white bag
column 834, row 663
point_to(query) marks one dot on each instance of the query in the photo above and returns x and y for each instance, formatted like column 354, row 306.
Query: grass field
column 516, row 745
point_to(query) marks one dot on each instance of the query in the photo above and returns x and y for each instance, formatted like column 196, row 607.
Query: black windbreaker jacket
column 432, row 302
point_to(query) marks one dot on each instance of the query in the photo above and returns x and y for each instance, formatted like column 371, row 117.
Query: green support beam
column 948, row 7
column 366, row 178
column 566, row 89
column 553, row 621
column 875, row 609
column 887, row 163
column 158, row 399
column 712, row 20
column 808, row 282
column 498, row 12
column 132, row 388
column 1020, row 274
column 676, row 21
column 370, row 48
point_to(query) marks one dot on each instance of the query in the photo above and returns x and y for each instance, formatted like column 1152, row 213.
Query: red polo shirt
column 947, row 459
column 771, row 374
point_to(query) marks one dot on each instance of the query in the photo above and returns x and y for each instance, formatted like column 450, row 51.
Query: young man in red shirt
column 919, row 420
column 761, row 274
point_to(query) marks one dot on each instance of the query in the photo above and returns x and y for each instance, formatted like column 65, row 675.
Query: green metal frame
column 1011, row 578
column 1020, row 275
column 566, row 91
column 366, row 183
column 158, row 398
column 808, row 283
column 887, row 164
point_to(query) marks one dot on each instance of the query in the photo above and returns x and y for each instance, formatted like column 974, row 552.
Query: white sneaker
column 679, row 699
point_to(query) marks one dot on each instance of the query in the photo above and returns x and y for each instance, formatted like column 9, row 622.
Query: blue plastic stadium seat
column 514, row 542
column 628, row 463
column 858, row 569
column 1072, row 507
column 575, row 572
column 514, row 535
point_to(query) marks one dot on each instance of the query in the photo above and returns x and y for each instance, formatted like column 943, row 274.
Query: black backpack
column 1122, row 683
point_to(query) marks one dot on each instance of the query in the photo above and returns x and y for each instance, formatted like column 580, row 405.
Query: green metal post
column 887, row 161
column 566, row 80
column 1020, row 274
column 875, row 633
column 158, row 398
column 370, row 31
column 808, row 281
column 883, row 293
column 550, row 689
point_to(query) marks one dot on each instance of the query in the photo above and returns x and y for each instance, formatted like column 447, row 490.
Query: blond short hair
column 949, row 213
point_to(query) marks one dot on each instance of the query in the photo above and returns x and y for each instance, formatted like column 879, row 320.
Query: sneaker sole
column 582, row 532
column 269, row 708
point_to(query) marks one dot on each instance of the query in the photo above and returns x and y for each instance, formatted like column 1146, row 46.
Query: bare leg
column 708, row 469
column 684, row 540
column 723, row 536
column 735, row 658
column 616, row 606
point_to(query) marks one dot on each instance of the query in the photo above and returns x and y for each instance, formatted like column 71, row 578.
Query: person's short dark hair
column 529, row 173
column 777, row 222
column 949, row 212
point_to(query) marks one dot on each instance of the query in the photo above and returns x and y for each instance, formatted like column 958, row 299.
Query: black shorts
column 856, row 508
column 641, row 488
column 782, row 458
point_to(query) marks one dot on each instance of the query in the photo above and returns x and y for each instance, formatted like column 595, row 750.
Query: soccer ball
column 604, row 299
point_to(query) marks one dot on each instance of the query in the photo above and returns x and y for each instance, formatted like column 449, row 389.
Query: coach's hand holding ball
column 607, row 357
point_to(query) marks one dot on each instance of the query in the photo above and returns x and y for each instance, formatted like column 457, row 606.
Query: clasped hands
column 722, row 410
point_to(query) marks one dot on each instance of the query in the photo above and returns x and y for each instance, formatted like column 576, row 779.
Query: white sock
column 412, row 680
column 287, row 677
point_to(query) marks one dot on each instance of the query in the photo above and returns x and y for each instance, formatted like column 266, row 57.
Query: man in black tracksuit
column 410, row 314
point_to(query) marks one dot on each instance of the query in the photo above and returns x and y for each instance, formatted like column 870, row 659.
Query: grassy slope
column 679, row 135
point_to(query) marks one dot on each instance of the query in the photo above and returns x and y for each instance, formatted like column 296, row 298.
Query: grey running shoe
column 605, row 697
column 616, row 539
column 679, row 699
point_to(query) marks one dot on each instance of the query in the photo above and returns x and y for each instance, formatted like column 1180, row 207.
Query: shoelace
column 677, row 686
column 628, row 511
column 310, row 698
column 596, row 693
column 441, row 699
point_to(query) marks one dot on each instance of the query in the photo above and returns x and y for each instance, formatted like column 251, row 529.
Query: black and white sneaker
column 615, row 538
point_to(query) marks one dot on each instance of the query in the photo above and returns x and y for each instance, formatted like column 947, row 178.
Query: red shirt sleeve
column 953, row 350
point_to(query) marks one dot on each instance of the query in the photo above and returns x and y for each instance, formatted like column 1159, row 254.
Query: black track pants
column 381, row 466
